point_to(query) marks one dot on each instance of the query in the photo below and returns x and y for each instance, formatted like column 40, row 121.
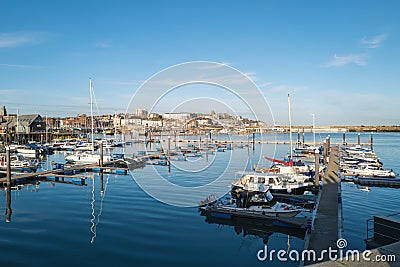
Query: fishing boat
column 260, row 205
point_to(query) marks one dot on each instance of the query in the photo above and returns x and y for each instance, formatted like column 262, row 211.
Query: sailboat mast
column 115, row 126
column 17, row 130
column 46, row 129
column 91, row 112
column 290, row 129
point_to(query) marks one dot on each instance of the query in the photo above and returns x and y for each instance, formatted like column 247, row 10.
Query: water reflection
column 254, row 227
column 96, row 219
column 8, row 205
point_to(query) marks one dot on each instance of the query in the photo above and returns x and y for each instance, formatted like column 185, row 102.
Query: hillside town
column 38, row 127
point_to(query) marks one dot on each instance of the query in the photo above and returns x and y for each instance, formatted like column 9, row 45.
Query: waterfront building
column 25, row 124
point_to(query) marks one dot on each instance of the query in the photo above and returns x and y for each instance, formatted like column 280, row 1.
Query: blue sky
column 337, row 59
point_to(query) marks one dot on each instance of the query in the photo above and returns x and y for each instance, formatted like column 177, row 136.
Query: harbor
column 199, row 133
column 323, row 215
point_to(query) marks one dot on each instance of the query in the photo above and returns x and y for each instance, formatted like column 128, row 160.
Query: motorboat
column 83, row 146
column 25, row 150
column 254, row 181
column 17, row 161
column 86, row 157
column 369, row 171
column 259, row 205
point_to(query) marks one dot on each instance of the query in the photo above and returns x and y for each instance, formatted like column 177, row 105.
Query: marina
column 324, row 216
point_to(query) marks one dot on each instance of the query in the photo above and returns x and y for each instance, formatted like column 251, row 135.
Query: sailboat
column 292, row 164
column 88, row 157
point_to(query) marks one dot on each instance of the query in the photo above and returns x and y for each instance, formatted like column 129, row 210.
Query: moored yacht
column 262, row 182
column 259, row 205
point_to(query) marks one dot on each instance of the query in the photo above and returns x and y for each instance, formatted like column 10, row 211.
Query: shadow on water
column 254, row 227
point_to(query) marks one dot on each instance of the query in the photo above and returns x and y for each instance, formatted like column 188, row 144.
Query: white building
column 152, row 123
column 141, row 112
column 180, row 116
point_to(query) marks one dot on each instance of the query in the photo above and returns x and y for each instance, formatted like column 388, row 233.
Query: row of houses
column 33, row 123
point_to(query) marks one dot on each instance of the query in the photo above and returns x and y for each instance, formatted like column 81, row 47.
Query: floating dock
column 71, row 171
column 379, row 182
column 326, row 223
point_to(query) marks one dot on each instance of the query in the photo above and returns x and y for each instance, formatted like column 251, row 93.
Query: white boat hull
column 86, row 158
column 245, row 212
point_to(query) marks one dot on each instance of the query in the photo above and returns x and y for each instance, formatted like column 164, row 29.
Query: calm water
column 55, row 224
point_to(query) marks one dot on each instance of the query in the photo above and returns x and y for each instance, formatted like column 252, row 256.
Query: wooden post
column 316, row 176
column 175, row 138
column 298, row 138
column 344, row 138
column 254, row 141
column 8, row 171
column 359, row 139
column 372, row 141
column 328, row 145
column 101, row 154
column 169, row 155
column 325, row 151
column 206, row 149
column 8, row 168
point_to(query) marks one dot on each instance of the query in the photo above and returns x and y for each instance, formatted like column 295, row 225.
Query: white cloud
column 15, row 39
column 357, row 59
column 373, row 42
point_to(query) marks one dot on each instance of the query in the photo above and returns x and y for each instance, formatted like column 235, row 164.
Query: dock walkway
column 326, row 223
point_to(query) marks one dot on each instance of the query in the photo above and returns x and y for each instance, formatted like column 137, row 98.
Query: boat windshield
column 269, row 196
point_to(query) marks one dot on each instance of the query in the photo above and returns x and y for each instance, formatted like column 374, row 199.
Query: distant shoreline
column 336, row 128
